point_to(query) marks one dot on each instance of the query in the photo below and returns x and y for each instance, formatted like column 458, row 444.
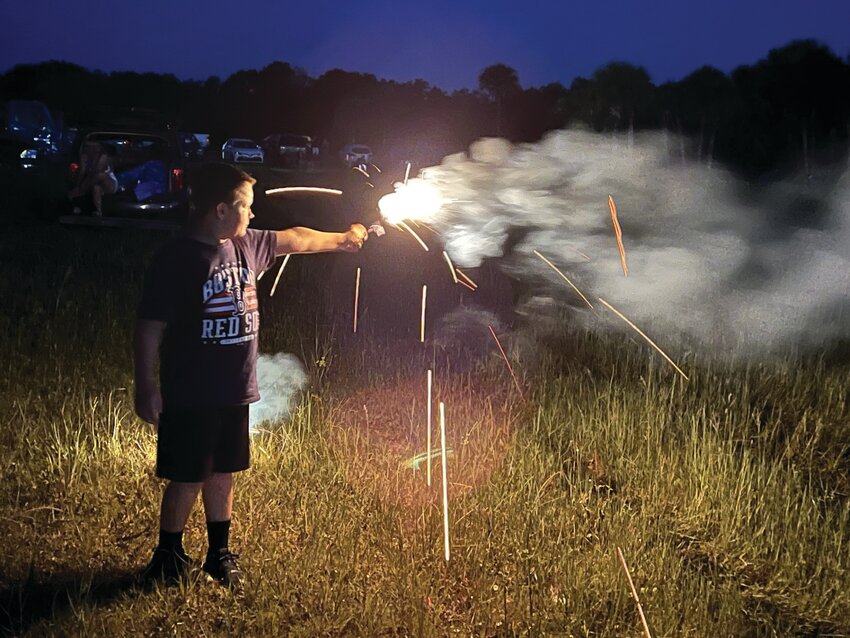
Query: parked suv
column 150, row 169
column 291, row 151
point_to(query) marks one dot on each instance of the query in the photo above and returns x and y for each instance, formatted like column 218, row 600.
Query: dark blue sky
column 445, row 43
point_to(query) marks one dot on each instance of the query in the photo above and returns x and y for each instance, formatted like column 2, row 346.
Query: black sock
column 218, row 533
column 171, row 541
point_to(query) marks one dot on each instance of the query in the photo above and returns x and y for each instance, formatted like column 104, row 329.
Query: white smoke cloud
column 280, row 377
column 706, row 264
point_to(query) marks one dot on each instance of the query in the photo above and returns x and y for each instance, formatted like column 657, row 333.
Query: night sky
column 446, row 43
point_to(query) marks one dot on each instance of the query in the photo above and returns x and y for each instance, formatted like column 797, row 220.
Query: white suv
column 238, row 149
column 356, row 154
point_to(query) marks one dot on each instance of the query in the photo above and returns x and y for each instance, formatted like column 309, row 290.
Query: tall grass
column 727, row 494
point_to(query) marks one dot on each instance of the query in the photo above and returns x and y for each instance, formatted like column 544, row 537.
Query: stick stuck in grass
column 428, row 431
column 634, row 594
column 445, row 479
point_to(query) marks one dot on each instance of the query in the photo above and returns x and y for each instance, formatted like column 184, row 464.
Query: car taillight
column 73, row 170
column 176, row 179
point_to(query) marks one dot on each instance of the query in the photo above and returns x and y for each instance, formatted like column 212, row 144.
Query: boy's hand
column 354, row 238
column 148, row 405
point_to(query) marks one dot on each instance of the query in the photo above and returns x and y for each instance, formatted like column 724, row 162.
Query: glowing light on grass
column 422, row 318
column 645, row 624
column 279, row 273
column 415, row 236
column 505, row 357
column 465, row 276
column 641, row 333
column 428, row 436
column 303, row 189
column 445, row 478
column 619, row 234
column 555, row 268
column 417, row 200
column 451, row 265
column 356, row 297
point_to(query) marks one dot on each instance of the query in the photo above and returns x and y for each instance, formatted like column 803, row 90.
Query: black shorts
column 193, row 443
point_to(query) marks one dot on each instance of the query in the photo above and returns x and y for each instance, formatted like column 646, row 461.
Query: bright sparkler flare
column 642, row 334
column 303, row 189
column 417, row 200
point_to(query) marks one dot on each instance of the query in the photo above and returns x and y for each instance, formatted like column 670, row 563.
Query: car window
column 131, row 149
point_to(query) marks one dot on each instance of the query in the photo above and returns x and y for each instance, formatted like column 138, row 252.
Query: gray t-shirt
column 207, row 296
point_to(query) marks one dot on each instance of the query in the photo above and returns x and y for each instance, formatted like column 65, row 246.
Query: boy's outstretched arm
column 307, row 240
column 147, row 337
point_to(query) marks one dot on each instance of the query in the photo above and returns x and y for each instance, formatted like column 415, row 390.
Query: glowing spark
column 619, row 234
column 634, row 594
column 445, row 478
column 406, row 173
column 370, row 185
column 463, row 283
column 279, row 273
column 428, row 436
column 505, row 357
column 376, row 168
column 451, row 265
column 417, row 200
column 581, row 253
column 640, row 332
column 415, row 236
column 465, row 276
column 303, row 189
column 356, row 297
column 555, row 268
column 422, row 320
column 359, row 169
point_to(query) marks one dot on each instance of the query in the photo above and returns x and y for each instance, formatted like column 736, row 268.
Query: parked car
column 356, row 154
column 291, row 151
column 191, row 146
column 240, row 149
column 150, row 169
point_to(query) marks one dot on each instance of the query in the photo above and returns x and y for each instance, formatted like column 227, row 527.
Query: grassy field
column 728, row 494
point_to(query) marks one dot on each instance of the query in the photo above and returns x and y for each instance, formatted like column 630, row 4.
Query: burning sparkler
column 505, row 357
column 619, row 234
column 415, row 236
column 422, row 319
column 303, row 189
column 279, row 273
column 451, row 265
column 356, row 297
column 417, row 200
column 555, row 268
column 640, row 332
column 471, row 283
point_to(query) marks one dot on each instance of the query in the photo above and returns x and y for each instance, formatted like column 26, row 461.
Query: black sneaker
column 223, row 566
column 169, row 566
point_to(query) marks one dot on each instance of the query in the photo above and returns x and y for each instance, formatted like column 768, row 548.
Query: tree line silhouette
column 788, row 111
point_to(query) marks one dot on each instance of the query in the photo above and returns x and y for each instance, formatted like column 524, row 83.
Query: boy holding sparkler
column 199, row 316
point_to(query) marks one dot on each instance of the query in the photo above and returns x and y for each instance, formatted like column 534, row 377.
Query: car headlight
column 29, row 153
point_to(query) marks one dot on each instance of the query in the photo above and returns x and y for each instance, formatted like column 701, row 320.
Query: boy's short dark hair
column 213, row 183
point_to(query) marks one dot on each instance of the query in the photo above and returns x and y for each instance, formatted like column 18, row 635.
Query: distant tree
column 623, row 94
column 499, row 82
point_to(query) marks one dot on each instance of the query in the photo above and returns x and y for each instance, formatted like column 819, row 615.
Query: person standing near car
column 199, row 317
column 96, row 175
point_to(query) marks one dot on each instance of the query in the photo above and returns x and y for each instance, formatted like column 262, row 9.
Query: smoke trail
column 706, row 266
column 280, row 377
